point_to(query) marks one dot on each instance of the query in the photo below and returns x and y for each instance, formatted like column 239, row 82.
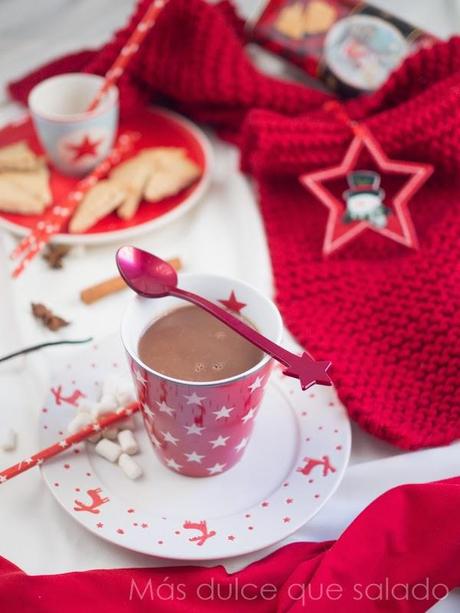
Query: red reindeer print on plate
column 96, row 501
column 71, row 399
column 202, row 528
column 311, row 463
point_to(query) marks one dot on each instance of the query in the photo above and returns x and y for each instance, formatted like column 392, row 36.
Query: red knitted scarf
column 387, row 316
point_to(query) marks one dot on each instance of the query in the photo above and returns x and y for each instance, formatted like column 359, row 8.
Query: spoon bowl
column 144, row 272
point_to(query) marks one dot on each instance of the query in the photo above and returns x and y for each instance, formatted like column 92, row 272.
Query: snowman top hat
column 363, row 182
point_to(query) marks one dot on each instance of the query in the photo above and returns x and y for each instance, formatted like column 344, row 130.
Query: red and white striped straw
column 54, row 221
column 130, row 48
column 60, row 446
column 58, row 215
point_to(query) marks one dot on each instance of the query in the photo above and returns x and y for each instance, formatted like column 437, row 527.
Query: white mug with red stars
column 75, row 140
column 200, row 429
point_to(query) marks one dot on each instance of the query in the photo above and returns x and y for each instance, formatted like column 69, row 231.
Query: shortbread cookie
column 100, row 200
column 162, row 154
column 173, row 174
column 173, row 159
column 132, row 177
column 290, row 21
column 319, row 17
column 15, row 199
column 130, row 204
column 36, row 182
column 298, row 19
column 18, row 156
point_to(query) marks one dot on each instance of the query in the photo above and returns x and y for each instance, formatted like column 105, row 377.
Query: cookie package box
column 350, row 45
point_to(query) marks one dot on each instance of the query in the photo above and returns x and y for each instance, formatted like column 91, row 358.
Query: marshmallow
column 129, row 466
column 85, row 406
column 108, row 450
column 106, row 404
column 110, row 433
column 119, row 388
column 7, row 438
column 94, row 438
column 78, row 422
column 124, row 396
column 128, row 424
column 127, row 442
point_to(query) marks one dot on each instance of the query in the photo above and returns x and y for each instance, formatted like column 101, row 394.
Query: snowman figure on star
column 364, row 199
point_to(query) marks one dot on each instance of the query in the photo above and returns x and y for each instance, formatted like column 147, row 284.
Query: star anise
column 54, row 255
column 50, row 320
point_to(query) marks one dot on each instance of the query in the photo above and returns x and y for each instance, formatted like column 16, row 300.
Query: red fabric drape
column 401, row 554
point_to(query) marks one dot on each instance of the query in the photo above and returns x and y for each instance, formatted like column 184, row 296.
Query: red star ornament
column 233, row 304
column 399, row 226
column 86, row 147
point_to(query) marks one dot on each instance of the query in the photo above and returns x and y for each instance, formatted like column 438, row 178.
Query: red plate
column 157, row 127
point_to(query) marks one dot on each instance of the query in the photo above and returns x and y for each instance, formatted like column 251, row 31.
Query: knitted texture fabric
column 387, row 316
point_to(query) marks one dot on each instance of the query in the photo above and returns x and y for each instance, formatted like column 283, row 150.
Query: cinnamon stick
column 112, row 285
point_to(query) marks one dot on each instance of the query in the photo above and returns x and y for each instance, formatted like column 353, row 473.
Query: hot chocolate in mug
column 200, row 429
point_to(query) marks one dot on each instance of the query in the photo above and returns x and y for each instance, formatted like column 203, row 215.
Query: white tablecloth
column 224, row 234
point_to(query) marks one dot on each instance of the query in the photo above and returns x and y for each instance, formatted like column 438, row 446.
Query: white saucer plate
column 291, row 467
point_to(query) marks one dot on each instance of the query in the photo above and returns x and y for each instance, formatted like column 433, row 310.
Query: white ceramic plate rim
column 188, row 203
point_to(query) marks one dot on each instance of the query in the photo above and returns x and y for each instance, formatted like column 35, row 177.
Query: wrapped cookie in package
column 351, row 46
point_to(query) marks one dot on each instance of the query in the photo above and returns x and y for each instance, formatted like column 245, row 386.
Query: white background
column 223, row 234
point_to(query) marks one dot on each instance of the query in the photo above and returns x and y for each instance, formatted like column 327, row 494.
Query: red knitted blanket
column 387, row 316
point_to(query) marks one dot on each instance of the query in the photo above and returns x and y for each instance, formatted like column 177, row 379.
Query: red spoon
column 152, row 277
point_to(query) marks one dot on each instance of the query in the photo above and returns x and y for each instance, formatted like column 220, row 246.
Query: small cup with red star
column 74, row 139
column 201, row 429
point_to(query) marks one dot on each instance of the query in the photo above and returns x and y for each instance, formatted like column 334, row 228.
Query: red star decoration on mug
column 233, row 304
column 399, row 226
column 86, row 147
